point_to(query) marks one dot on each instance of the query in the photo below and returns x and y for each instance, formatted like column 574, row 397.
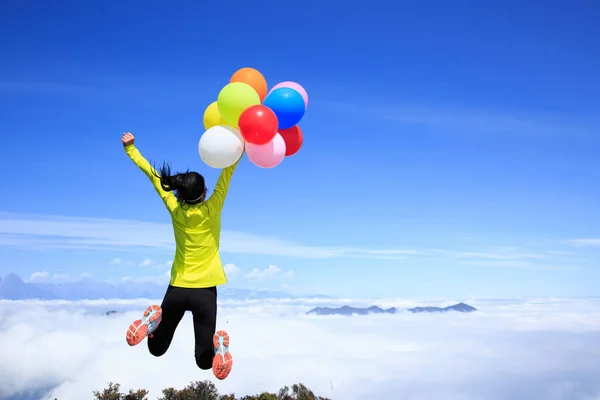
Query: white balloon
column 221, row 146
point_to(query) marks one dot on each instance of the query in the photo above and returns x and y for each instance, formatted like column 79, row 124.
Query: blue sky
column 451, row 148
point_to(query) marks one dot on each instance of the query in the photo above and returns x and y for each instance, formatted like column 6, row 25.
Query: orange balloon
column 253, row 78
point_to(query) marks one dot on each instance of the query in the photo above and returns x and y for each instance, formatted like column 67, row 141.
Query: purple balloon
column 296, row 87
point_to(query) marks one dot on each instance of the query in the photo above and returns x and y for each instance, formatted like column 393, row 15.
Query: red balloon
column 258, row 124
column 293, row 139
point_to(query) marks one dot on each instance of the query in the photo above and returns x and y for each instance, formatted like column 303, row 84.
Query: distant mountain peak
column 460, row 307
column 12, row 277
column 348, row 310
column 12, row 287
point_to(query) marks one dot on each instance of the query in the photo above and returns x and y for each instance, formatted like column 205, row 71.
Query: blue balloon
column 288, row 106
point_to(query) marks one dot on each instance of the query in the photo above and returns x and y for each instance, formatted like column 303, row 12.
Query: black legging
column 202, row 302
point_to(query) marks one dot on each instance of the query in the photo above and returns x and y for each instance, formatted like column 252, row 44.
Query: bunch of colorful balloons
column 246, row 116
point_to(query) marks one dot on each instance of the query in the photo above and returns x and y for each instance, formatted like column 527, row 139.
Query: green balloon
column 234, row 98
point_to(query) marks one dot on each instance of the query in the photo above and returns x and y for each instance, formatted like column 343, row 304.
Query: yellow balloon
column 212, row 117
column 233, row 99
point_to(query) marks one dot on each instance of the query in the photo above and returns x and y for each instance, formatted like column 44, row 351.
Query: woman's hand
column 127, row 139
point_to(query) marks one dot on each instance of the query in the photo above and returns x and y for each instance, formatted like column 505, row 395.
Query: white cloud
column 521, row 265
column 40, row 232
column 47, row 277
column 585, row 242
column 161, row 279
column 118, row 261
column 146, row 262
column 231, row 270
column 558, row 252
column 154, row 264
column 41, row 276
column 499, row 254
column 47, row 231
column 257, row 274
column 63, row 277
column 539, row 349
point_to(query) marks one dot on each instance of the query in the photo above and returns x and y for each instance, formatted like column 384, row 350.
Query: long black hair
column 189, row 187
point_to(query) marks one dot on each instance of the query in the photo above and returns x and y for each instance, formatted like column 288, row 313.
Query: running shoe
column 140, row 328
column 222, row 362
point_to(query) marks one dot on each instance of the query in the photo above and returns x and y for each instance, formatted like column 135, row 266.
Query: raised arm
column 167, row 197
column 217, row 199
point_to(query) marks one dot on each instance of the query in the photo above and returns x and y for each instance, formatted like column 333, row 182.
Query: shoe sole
column 140, row 328
column 222, row 362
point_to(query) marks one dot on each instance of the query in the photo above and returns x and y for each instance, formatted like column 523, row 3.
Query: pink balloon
column 296, row 87
column 267, row 155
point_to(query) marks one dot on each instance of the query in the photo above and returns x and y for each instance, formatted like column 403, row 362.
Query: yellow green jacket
column 197, row 229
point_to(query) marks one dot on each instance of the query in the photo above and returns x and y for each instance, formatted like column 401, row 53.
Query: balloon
column 258, row 124
column 293, row 85
column 292, row 138
column 233, row 99
column 221, row 146
column 212, row 117
column 287, row 104
column 267, row 155
column 253, row 78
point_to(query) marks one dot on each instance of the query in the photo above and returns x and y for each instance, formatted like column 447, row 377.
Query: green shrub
column 205, row 390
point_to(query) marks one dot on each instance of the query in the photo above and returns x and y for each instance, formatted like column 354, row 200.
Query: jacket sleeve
column 167, row 197
column 217, row 199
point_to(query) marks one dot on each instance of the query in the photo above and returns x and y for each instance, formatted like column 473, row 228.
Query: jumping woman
column 196, row 271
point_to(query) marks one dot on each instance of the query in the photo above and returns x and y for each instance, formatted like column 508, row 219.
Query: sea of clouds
column 546, row 349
